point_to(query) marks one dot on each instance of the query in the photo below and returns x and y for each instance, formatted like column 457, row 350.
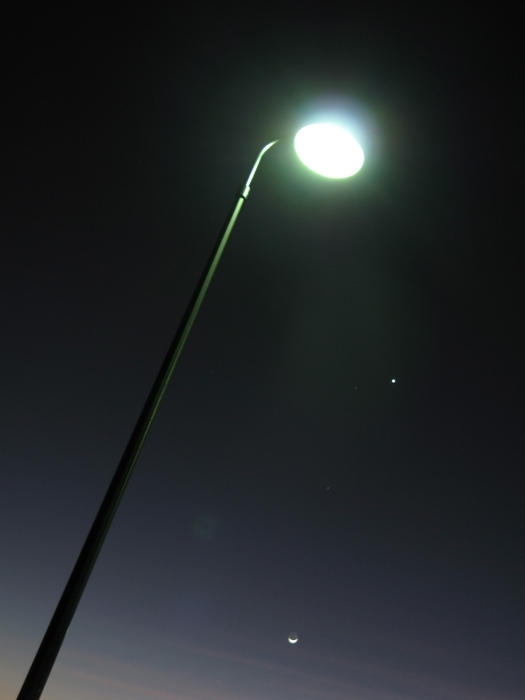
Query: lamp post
column 338, row 147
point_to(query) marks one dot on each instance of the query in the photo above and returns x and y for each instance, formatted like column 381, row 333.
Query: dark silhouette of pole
column 52, row 641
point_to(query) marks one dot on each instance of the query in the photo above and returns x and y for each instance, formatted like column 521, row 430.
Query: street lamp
column 324, row 148
column 329, row 149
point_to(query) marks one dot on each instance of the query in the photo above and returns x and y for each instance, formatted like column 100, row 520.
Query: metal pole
column 50, row 646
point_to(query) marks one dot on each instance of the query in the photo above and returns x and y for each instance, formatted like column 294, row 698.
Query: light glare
column 329, row 149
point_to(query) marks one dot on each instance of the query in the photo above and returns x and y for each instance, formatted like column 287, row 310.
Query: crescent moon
column 293, row 639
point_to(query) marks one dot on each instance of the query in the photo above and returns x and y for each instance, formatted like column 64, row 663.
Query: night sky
column 339, row 453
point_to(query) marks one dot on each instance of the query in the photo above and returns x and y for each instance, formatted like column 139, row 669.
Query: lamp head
column 329, row 150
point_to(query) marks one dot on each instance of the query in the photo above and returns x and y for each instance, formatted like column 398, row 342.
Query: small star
column 393, row 380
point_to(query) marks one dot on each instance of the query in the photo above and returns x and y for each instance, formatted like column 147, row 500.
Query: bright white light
column 393, row 380
column 329, row 149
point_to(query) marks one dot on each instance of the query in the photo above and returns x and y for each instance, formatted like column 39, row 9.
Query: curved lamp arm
column 50, row 646
column 255, row 166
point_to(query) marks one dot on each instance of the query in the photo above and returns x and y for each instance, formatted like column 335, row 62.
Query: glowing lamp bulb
column 329, row 150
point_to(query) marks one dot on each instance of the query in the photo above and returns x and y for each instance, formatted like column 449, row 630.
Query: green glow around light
column 329, row 149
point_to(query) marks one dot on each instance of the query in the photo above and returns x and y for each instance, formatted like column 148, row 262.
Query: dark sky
column 288, row 485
